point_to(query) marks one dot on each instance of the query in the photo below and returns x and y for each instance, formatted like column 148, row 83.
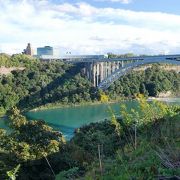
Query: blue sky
column 91, row 27
column 168, row 6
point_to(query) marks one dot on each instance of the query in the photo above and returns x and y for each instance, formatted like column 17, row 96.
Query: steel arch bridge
column 103, row 71
column 128, row 67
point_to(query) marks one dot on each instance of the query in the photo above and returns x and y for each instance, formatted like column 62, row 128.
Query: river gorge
column 68, row 119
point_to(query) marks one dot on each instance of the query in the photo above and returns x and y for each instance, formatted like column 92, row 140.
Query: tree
column 28, row 142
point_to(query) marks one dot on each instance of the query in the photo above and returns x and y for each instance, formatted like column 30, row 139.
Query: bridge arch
column 127, row 68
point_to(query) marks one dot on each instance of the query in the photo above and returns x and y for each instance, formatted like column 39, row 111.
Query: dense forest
column 42, row 83
column 150, row 82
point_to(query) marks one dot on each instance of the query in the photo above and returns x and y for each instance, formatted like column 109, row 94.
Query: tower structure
column 28, row 50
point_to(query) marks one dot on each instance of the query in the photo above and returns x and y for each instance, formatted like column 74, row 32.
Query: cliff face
column 5, row 71
column 165, row 67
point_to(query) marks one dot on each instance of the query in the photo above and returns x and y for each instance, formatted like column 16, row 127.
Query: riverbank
column 121, row 99
column 66, row 120
column 164, row 99
column 59, row 105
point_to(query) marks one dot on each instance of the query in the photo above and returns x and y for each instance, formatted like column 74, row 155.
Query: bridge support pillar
column 101, row 71
column 97, row 74
column 94, row 74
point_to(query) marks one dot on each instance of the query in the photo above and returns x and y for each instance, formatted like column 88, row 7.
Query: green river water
column 67, row 120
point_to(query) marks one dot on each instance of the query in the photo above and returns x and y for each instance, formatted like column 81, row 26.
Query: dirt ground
column 6, row 71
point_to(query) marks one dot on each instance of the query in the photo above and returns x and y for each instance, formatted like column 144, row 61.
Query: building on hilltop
column 46, row 50
column 28, row 50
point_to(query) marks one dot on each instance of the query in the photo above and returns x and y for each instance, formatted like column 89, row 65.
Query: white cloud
column 82, row 28
column 122, row 1
column 119, row 1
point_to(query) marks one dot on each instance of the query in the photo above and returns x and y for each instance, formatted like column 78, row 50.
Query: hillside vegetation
column 150, row 82
column 50, row 83
column 42, row 83
column 142, row 144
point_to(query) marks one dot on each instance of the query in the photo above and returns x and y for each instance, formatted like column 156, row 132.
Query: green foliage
column 42, row 83
column 150, row 82
column 69, row 174
column 145, row 112
column 35, row 138
column 56, row 82
column 154, row 152
column 13, row 173
column 32, row 140
column 157, row 127
column 16, row 120
column 17, row 60
column 46, row 83
column 27, row 143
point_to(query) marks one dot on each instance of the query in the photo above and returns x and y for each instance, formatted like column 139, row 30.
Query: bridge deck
column 136, row 58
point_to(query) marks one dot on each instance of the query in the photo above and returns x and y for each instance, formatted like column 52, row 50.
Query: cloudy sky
column 91, row 26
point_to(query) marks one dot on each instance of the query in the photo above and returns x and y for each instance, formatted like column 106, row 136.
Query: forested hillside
column 42, row 83
column 150, row 82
